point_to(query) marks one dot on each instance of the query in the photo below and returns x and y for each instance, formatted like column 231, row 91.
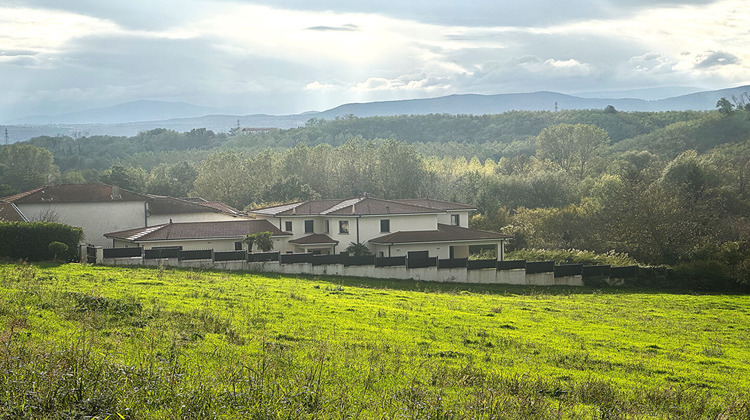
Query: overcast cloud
column 294, row 56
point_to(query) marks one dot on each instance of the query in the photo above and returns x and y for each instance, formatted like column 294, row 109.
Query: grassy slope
column 149, row 343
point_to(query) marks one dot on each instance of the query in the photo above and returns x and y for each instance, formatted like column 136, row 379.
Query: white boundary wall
column 445, row 275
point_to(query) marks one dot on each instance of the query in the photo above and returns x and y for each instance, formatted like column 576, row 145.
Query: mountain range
column 130, row 118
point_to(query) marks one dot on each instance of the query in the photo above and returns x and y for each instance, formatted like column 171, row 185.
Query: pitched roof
column 198, row 230
column 362, row 206
column 436, row 204
column 224, row 208
column 444, row 233
column 161, row 204
column 10, row 213
column 314, row 239
column 75, row 193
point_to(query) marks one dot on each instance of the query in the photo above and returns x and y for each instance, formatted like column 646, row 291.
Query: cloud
column 716, row 58
column 343, row 28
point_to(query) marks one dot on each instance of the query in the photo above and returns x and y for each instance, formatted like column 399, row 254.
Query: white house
column 217, row 235
column 418, row 227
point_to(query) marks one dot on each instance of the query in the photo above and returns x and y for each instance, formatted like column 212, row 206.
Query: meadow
column 93, row 342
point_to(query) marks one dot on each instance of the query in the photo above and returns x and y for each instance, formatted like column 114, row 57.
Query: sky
column 286, row 57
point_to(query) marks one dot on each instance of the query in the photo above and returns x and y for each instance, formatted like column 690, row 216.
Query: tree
column 357, row 249
column 227, row 177
column 126, row 176
column 725, row 107
column 57, row 248
column 262, row 240
column 174, row 180
column 572, row 146
column 24, row 167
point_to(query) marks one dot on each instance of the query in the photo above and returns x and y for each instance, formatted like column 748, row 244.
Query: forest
column 665, row 188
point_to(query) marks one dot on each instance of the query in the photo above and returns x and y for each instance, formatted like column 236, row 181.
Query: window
column 343, row 226
column 385, row 225
column 328, row 226
column 308, row 226
column 455, row 219
column 238, row 246
column 288, row 226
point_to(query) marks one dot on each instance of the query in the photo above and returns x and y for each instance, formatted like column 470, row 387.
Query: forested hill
column 484, row 136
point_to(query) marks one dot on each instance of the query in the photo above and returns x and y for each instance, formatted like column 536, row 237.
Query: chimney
column 387, row 208
column 116, row 192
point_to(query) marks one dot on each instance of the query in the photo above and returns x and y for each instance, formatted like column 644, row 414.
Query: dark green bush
column 31, row 241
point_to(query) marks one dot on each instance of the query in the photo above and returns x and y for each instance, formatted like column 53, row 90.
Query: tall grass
column 97, row 343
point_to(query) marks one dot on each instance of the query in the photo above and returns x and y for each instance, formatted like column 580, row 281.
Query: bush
column 57, row 248
column 33, row 241
column 572, row 256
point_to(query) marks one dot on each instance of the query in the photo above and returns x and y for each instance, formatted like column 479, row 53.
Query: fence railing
column 536, row 267
column 390, row 261
column 452, row 263
column 511, row 265
column 530, row 267
column 481, row 264
column 421, row 262
column 196, row 254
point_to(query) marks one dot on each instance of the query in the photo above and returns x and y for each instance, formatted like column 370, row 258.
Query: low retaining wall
column 443, row 275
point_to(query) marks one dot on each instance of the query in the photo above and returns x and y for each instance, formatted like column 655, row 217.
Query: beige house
column 389, row 228
column 97, row 208
column 219, row 236
column 101, row 208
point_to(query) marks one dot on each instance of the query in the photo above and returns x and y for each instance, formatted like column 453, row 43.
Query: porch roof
column 314, row 239
column 197, row 230
column 444, row 233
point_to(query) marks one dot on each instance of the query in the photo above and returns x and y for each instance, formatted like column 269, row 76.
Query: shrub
column 57, row 248
column 572, row 256
column 32, row 241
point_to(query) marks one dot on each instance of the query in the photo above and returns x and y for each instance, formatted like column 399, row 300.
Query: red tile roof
column 314, row 239
column 10, row 213
column 362, row 206
column 436, row 204
column 444, row 233
column 75, row 193
column 198, row 230
column 161, row 204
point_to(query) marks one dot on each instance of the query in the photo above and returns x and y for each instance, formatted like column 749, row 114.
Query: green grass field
column 100, row 342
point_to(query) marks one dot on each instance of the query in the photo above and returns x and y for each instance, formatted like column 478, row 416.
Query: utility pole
column 6, row 136
column 555, row 106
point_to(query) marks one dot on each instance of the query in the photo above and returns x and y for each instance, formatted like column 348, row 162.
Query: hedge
column 30, row 240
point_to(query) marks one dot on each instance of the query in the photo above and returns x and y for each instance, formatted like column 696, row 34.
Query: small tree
column 725, row 107
column 262, row 240
column 57, row 248
column 357, row 249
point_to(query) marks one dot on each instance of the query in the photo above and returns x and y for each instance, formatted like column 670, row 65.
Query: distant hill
column 143, row 110
column 131, row 118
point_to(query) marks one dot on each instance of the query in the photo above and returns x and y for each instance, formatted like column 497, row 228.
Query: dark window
column 385, row 225
column 328, row 226
column 455, row 219
column 287, row 226
column 238, row 246
column 343, row 226
column 308, row 226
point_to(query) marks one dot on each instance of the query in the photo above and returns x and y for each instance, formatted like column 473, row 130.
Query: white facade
column 96, row 218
